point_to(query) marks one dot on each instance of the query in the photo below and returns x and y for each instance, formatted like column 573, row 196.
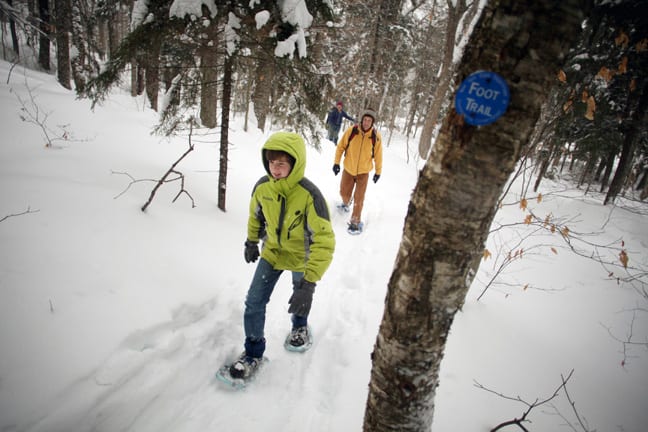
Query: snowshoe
column 241, row 372
column 299, row 339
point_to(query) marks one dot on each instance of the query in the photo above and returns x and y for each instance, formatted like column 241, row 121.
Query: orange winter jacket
column 361, row 155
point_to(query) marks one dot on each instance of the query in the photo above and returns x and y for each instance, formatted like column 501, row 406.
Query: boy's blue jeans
column 263, row 283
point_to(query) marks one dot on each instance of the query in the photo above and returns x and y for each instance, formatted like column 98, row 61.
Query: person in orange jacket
column 361, row 146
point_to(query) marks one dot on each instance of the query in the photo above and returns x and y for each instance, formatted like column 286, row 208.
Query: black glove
column 251, row 252
column 336, row 169
column 376, row 177
column 302, row 297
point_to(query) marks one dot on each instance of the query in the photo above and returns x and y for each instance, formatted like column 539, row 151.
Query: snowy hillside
column 112, row 319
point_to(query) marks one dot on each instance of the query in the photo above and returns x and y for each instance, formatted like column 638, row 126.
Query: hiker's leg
column 346, row 186
column 361, row 181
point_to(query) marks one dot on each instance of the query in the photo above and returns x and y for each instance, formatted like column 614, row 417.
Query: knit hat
column 339, row 103
column 369, row 112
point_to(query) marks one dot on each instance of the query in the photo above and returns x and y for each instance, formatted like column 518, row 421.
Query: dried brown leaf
column 553, row 249
column 523, row 203
column 605, row 73
column 562, row 76
column 622, row 39
column 539, row 199
column 486, row 254
column 567, row 105
column 591, row 108
column 642, row 45
column 527, row 220
column 623, row 257
column 547, row 218
column 623, row 66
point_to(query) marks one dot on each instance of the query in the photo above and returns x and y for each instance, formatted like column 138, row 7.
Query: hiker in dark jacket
column 334, row 121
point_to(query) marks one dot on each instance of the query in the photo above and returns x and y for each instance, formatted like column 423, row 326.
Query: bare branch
column 530, row 405
column 166, row 178
column 133, row 181
column 630, row 340
column 172, row 170
column 572, row 403
column 31, row 112
column 19, row 214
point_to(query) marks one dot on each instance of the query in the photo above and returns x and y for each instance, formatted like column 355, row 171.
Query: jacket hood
column 293, row 144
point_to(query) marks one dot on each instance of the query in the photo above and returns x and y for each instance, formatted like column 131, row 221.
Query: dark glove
column 376, row 177
column 251, row 252
column 336, row 169
column 302, row 297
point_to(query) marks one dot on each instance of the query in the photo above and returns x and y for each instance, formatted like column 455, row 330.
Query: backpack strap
column 355, row 132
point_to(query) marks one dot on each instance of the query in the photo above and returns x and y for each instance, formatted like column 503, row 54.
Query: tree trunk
column 14, row 35
column 138, row 79
column 382, row 43
column 44, row 41
column 454, row 203
column 113, row 34
column 209, row 78
column 152, row 74
column 442, row 86
column 545, row 162
column 262, row 89
column 224, row 136
column 63, row 19
column 609, row 165
column 423, row 69
column 587, row 169
column 630, row 142
column 643, row 179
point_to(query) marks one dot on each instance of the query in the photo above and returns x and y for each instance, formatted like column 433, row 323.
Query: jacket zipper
column 282, row 215
column 362, row 137
column 294, row 224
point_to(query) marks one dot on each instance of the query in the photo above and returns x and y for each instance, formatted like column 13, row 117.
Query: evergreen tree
column 601, row 88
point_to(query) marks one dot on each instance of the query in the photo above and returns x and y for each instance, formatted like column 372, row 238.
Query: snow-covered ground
column 112, row 319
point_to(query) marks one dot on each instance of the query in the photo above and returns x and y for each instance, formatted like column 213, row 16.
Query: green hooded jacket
column 291, row 215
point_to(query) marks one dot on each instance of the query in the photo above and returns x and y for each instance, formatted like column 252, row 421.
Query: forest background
column 290, row 61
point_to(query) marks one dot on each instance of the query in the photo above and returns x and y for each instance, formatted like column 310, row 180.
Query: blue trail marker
column 482, row 98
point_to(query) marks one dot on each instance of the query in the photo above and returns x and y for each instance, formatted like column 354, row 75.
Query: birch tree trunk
column 453, row 205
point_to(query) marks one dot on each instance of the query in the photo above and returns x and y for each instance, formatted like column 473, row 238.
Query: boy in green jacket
column 289, row 213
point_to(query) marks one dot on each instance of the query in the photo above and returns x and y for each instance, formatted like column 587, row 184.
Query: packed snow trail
column 162, row 378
